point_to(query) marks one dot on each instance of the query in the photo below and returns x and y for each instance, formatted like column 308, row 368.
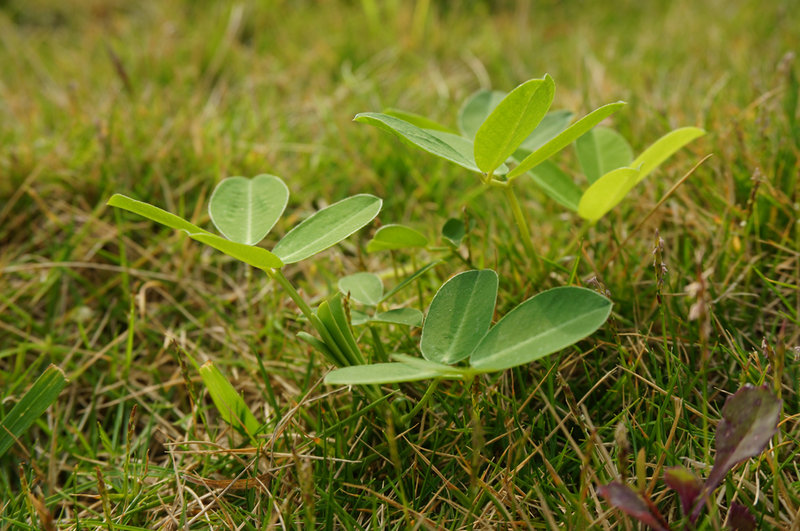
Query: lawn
column 161, row 101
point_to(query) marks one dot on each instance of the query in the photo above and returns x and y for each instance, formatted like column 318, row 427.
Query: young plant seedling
column 244, row 211
column 749, row 420
column 458, row 328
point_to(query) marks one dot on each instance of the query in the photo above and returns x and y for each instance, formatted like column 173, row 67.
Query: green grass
column 161, row 100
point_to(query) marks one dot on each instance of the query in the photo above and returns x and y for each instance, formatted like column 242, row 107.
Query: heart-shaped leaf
column 400, row 316
column 254, row 256
column 565, row 138
column 452, row 150
column 556, row 184
column 606, row 193
column 245, row 210
column 475, row 110
column 602, row 150
column 459, row 316
column 664, row 147
column 393, row 237
column 545, row 323
column 365, row 288
column 327, row 227
column 510, row 123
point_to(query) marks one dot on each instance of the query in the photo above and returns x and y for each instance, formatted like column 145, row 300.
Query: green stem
column 278, row 275
column 422, row 401
column 522, row 225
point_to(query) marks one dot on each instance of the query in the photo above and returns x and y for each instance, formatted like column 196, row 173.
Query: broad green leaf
column 545, row 323
column 154, row 213
column 365, row 288
column 400, row 316
column 31, row 406
column 556, row 184
column 254, row 256
column 454, row 231
column 607, row 192
column 421, row 363
column 565, row 138
column 511, row 122
column 459, row 316
column 245, row 210
column 358, row 318
column 420, row 121
column 602, row 150
column 379, row 373
column 551, row 125
column 464, row 147
column 229, row 403
column 422, row 138
column 475, row 110
column 393, row 237
column 665, row 146
column 327, row 227
column 249, row 254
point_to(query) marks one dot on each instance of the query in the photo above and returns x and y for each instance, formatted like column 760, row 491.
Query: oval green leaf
column 454, row 231
column 459, row 316
column 393, row 237
column 418, row 120
column 475, row 110
column 511, row 122
column 254, row 256
column 366, row 288
column 664, row 147
column 607, row 192
column 602, row 150
column 327, row 227
column 565, row 138
column 379, row 373
column 551, row 125
column 229, row 403
column 426, row 139
column 556, row 184
column 245, row 210
column 545, row 323
column 399, row 316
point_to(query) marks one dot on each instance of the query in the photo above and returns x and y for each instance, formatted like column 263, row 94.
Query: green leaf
column 459, row 316
column 400, row 316
column 426, row 139
column 565, row 138
column 556, row 184
column 420, row 121
column 251, row 255
column 31, row 406
column 393, row 237
column 379, row 373
column 411, row 278
column 327, row 227
column 254, row 256
column 545, row 323
column 607, row 192
column 511, row 122
column 358, row 318
column 338, row 336
column 245, row 210
column 602, row 150
column 365, row 288
column 551, row 125
column 441, row 368
column 454, row 231
column 229, row 403
column 662, row 148
column 464, row 147
column 475, row 110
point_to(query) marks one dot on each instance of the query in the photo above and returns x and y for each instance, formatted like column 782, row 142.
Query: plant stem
column 522, row 225
column 278, row 275
column 422, row 401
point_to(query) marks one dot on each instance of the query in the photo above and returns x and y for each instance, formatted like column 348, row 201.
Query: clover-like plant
column 244, row 211
column 458, row 328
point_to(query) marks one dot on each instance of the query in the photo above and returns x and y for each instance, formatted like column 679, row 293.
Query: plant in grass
column 504, row 136
column 244, row 211
column 367, row 289
column 749, row 420
column 458, row 328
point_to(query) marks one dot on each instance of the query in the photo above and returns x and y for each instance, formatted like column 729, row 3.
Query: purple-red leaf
column 740, row 518
column 749, row 420
column 686, row 484
column 633, row 504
